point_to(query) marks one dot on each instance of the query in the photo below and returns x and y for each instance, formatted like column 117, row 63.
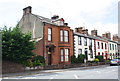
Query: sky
column 92, row 14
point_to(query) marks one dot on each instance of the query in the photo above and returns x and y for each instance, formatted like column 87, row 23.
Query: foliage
column 108, row 60
column 100, row 57
column 73, row 59
column 38, row 60
column 96, row 60
column 16, row 46
column 79, row 59
column 28, row 63
column 35, row 61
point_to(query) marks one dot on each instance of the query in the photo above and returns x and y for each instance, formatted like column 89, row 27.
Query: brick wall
column 56, row 41
column 11, row 67
column 39, row 48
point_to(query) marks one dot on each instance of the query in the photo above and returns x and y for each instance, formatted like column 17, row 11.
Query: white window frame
column 61, row 35
column 49, row 34
column 85, row 41
column 79, row 41
column 79, row 50
column 66, row 34
column 61, row 55
column 67, row 54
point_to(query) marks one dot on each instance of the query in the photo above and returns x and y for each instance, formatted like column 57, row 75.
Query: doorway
column 49, row 59
column 86, row 54
column 49, row 56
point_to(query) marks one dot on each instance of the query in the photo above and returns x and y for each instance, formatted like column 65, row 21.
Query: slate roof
column 43, row 19
column 95, row 37
column 47, row 20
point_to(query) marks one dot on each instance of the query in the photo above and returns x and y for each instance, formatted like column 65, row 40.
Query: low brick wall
column 10, row 67
column 62, row 66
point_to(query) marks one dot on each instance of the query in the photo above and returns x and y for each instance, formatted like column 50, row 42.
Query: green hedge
column 100, row 57
column 79, row 59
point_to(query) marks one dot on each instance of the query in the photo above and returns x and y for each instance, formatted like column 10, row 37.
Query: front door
column 49, row 59
column 86, row 54
column 49, row 56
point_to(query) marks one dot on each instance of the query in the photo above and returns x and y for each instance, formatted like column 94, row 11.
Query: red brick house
column 54, row 38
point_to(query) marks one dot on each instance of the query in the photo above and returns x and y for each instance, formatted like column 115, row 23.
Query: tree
column 16, row 46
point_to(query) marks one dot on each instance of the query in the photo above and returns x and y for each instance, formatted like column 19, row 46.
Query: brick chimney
column 104, row 35
column 85, row 31
column 94, row 32
column 79, row 30
column 107, row 35
column 115, row 37
column 27, row 10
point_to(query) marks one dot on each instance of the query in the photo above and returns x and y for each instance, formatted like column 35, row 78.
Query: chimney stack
column 27, row 10
column 94, row 32
column 107, row 35
column 55, row 17
column 115, row 38
column 85, row 31
column 104, row 35
column 81, row 30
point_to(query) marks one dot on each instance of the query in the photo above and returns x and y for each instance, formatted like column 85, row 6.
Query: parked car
column 115, row 62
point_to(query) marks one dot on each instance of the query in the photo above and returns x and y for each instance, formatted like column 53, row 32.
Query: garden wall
column 10, row 67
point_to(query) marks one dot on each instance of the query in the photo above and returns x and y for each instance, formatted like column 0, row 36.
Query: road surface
column 101, row 72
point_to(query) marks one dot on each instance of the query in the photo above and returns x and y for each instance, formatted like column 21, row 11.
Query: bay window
column 62, row 54
column 66, row 36
column 66, row 54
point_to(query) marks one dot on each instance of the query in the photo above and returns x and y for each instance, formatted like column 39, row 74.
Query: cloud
column 102, row 28
column 91, row 13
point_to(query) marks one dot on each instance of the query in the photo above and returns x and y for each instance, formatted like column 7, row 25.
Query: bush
column 35, row 61
column 100, row 58
column 96, row 60
column 79, row 59
column 38, row 60
column 73, row 59
column 108, row 61
column 28, row 63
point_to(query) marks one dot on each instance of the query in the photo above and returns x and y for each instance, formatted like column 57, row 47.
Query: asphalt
column 48, row 71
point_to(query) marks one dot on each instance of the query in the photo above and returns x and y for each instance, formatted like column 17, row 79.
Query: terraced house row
column 57, row 42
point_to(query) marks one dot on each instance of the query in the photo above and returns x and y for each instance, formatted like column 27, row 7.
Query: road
column 101, row 72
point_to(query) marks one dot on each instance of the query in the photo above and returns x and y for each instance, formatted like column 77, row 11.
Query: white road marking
column 51, row 78
column 98, row 71
column 76, row 76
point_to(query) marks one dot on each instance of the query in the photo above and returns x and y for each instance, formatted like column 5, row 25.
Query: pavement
column 48, row 71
